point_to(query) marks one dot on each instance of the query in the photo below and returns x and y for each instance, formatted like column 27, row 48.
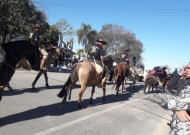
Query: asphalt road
column 27, row 112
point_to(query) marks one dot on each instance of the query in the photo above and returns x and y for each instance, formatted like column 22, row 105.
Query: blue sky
column 163, row 26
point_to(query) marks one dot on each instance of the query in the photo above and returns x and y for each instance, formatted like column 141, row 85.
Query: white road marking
column 84, row 118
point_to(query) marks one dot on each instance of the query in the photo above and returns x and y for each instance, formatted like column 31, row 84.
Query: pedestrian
column 179, row 104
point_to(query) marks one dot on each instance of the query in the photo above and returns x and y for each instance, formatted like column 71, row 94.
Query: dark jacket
column 172, row 84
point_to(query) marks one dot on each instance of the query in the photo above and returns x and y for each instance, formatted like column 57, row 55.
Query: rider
column 96, row 52
column 34, row 39
column 124, row 56
column 2, row 56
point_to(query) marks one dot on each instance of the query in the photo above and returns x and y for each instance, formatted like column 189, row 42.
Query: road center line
column 82, row 119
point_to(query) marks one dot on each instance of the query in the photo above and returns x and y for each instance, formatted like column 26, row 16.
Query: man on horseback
column 2, row 56
column 96, row 52
column 124, row 56
column 34, row 39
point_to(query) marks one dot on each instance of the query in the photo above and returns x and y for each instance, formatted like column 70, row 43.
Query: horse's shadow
column 70, row 106
column 29, row 90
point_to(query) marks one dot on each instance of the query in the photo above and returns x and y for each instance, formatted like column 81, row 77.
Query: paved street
column 27, row 112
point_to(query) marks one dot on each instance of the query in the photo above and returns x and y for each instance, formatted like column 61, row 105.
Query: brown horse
column 53, row 54
column 120, row 72
column 15, row 51
column 151, row 81
column 86, row 73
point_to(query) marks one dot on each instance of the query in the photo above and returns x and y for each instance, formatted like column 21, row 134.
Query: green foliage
column 86, row 36
column 118, row 38
column 18, row 17
column 66, row 30
column 79, row 51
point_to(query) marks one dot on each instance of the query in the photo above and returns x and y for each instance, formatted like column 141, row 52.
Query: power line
column 115, row 9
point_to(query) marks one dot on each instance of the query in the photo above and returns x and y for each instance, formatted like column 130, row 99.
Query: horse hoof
column 33, row 87
column 47, row 85
column 10, row 88
column 80, row 106
column 91, row 101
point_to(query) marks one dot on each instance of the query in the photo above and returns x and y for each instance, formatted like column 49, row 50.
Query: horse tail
column 73, row 78
column 119, row 77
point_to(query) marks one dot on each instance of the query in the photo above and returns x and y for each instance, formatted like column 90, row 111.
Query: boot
column 43, row 64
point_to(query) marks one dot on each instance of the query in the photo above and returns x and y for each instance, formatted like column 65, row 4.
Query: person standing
column 96, row 52
column 180, row 124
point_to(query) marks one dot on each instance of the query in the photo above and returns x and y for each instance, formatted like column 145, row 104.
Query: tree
column 79, row 51
column 118, row 38
column 51, row 35
column 86, row 36
column 17, row 17
column 66, row 30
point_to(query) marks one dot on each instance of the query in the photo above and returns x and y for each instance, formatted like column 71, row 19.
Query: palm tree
column 86, row 36
column 92, row 36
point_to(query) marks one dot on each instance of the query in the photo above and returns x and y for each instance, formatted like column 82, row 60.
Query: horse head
column 17, row 50
column 109, row 62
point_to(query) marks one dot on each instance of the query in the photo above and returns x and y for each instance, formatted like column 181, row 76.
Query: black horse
column 15, row 51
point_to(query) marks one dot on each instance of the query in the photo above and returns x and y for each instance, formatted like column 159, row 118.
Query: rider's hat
column 37, row 25
column 164, row 68
column 100, row 39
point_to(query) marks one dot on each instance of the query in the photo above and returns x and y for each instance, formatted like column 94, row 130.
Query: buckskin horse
column 86, row 73
column 120, row 72
column 54, row 53
column 15, row 51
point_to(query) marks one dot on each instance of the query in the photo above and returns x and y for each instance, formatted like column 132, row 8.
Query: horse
column 151, row 81
column 54, row 53
column 86, row 73
column 15, row 51
column 120, row 72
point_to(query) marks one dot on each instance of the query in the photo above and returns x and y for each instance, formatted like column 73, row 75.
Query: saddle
column 98, row 68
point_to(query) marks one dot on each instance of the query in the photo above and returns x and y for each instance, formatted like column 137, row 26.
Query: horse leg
column 46, row 79
column 36, row 79
column 9, row 87
column 134, row 82
column 123, row 84
column 92, row 93
column 149, row 88
column 104, row 93
column 83, row 88
column 1, row 91
column 144, row 88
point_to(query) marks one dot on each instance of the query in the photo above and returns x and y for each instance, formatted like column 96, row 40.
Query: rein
column 21, row 62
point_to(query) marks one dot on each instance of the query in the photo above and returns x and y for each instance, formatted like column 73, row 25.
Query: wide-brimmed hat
column 126, row 49
column 37, row 25
column 164, row 68
column 100, row 39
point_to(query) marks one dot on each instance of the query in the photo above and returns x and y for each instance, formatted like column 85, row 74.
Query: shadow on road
column 71, row 106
